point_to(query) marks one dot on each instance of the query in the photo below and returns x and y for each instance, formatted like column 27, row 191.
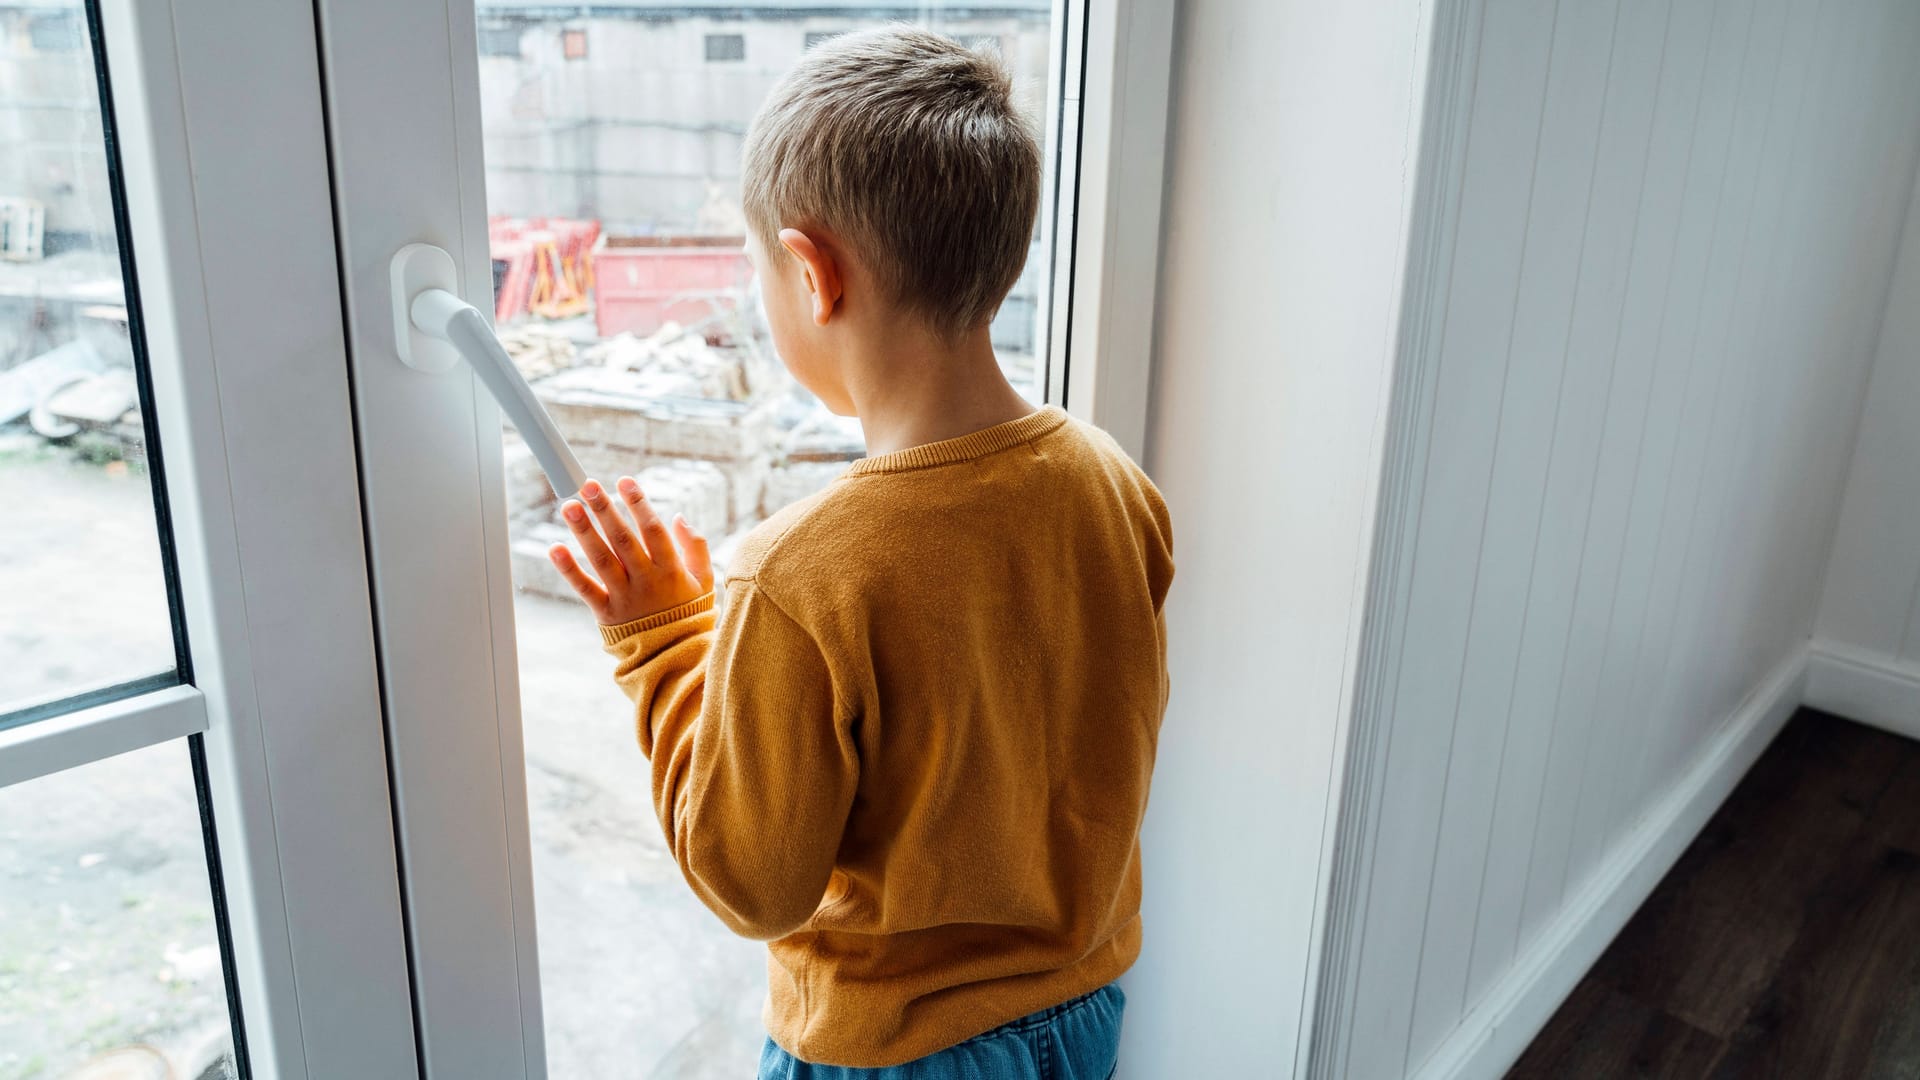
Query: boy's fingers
column 589, row 589
column 599, row 556
column 652, row 532
column 693, row 549
column 626, row 546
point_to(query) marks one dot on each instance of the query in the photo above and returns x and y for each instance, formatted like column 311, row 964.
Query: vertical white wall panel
column 1483, row 284
column 1592, row 662
column 1529, row 766
column 1670, row 314
column 1668, row 244
column 1763, row 110
column 1557, row 202
column 1293, row 128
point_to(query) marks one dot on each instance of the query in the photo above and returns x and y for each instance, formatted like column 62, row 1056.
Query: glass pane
column 83, row 584
column 109, row 957
column 613, row 137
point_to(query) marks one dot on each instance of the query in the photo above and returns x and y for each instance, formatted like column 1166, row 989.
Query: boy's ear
column 822, row 274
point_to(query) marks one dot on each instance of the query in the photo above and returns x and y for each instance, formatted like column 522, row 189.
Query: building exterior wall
column 50, row 123
column 644, row 131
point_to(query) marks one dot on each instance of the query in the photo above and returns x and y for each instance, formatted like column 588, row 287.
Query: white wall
column 1290, row 139
column 1869, row 630
column 1637, row 370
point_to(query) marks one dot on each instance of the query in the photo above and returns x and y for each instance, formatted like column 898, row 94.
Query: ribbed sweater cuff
column 614, row 635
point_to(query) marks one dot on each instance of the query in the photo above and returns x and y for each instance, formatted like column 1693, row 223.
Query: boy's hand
column 641, row 571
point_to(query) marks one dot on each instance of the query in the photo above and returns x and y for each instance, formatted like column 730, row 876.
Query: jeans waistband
column 1047, row 1015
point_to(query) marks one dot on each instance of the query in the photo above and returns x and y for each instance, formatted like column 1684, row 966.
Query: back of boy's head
column 907, row 146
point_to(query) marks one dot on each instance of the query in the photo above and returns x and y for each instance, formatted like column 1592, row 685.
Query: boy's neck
column 922, row 390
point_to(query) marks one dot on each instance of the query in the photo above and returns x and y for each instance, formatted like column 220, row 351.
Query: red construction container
column 641, row 282
column 541, row 266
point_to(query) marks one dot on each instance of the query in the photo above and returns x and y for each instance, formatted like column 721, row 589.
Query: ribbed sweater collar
column 966, row 447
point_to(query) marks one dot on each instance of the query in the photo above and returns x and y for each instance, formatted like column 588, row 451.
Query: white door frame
column 217, row 135
column 1112, row 211
column 402, row 87
column 403, row 114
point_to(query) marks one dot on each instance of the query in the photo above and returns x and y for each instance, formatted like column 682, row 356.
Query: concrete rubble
column 719, row 433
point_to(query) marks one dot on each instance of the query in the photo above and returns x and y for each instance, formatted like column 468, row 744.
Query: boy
column 913, row 753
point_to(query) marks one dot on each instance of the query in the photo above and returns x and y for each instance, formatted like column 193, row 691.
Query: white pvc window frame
column 1109, row 209
column 404, row 128
column 219, row 146
column 44, row 747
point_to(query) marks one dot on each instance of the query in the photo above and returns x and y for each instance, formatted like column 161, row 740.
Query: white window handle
column 434, row 329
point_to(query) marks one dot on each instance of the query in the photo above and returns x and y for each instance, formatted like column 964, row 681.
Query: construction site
column 620, row 283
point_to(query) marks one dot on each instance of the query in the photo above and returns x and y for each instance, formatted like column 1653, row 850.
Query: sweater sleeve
column 753, row 768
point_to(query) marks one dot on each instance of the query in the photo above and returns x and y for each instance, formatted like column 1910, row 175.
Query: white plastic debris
column 24, row 386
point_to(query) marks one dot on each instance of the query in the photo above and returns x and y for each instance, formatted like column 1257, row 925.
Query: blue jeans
column 1079, row 1040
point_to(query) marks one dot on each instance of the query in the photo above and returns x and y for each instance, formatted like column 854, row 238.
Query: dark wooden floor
column 1786, row 940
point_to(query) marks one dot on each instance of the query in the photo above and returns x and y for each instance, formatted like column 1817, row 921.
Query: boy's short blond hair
column 907, row 145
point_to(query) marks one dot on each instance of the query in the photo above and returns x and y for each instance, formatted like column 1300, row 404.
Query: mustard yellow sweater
column 913, row 753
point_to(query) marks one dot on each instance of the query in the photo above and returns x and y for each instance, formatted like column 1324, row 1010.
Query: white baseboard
column 1870, row 687
column 1493, row 1035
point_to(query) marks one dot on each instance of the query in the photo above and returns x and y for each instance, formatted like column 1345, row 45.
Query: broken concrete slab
column 666, row 427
